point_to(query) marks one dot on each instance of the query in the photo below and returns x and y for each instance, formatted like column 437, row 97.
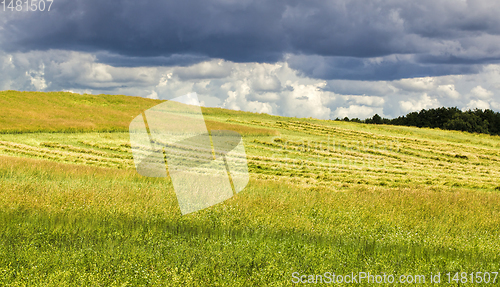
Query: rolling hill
column 324, row 196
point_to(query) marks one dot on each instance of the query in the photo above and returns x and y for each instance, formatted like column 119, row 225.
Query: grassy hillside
column 68, row 112
column 61, row 111
column 323, row 196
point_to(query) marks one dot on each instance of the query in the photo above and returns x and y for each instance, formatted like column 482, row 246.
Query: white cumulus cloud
column 353, row 111
column 425, row 102
column 477, row 104
column 481, row 92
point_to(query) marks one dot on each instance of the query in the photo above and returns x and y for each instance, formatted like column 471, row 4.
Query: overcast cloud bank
column 306, row 59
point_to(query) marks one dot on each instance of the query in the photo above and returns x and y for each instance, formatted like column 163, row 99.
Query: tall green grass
column 63, row 224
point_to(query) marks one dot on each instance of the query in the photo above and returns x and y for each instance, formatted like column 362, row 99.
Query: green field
column 323, row 196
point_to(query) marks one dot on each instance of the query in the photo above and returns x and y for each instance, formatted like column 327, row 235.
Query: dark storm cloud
column 444, row 37
column 350, row 68
column 118, row 60
column 236, row 31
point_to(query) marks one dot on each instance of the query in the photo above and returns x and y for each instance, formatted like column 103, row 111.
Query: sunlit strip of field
column 317, row 154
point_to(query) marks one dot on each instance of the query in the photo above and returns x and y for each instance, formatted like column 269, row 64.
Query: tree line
column 473, row 121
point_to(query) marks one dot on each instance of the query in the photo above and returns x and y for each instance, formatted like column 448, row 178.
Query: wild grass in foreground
column 64, row 224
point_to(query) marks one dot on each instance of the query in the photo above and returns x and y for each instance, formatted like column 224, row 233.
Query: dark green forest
column 472, row 121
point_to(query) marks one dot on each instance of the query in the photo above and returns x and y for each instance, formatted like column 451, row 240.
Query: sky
column 307, row 58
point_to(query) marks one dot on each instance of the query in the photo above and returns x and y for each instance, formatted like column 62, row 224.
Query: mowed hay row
column 121, row 147
column 358, row 139
column 58, row 146
column 364, row 173
column 342, row 174
column 345, row 163
column 325, row 158
column 401, row 157
column 334, row 133
column 66, row 153
column 351, row 162
column 418, row 166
